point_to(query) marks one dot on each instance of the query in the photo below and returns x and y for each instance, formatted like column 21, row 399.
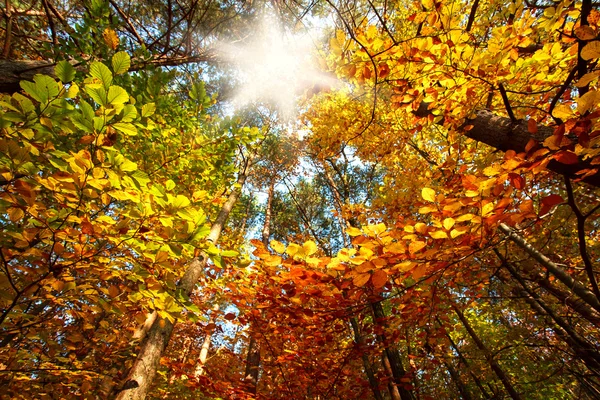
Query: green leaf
column 121, row 62
column 148, row 109
column 98, row 94
column 42, row 89
column 101, row 71
column 129, row 113
column 170, row 185
column 64, row 71
column 128, row 165
column 117, row 95
column 126, row 128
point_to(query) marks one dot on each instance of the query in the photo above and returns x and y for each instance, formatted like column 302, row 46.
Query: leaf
column 309, row 247
column 43, row 88
column 532, row 126
column 414, row 247
column 101, row 72
column 117, row 95
column 516, row 180
column 566, row 157
column 552, row 200
column 126, row 128
column 277, row 246
column 587, row 101
column 110, row 38
column 361, row 280
column 585, row 32
column 591, row 50
column 379, row 278
column 438, row 235
column 587, row 78
column 428, row 194
column 148, row 109
column 120, row 62
column 64, row 71
column 448, row 223
column 352, row 231
column 229, row 316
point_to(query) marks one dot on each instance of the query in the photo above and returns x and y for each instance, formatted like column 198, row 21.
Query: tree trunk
column 465, row 362
column 391, row 354
column 140, row 377
column 488, row 355
column 503, row 134
column 200, row 370
column 365, row 358
column 553, row 268
column 253, row 356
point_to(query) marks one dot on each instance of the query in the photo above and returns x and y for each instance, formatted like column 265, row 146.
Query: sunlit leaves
column 120, row 62
column 64, row 71
column 428, row 194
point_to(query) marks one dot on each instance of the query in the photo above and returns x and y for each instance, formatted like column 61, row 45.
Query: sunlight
column 275, row 67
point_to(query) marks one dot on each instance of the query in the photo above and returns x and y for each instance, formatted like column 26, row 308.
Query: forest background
column 422, row 225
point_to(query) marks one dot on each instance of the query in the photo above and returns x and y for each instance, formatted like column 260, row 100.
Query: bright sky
column 276, row 66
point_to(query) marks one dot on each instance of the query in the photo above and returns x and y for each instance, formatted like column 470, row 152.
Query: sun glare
column 275, row 67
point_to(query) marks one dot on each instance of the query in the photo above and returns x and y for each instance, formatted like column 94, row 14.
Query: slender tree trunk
column 466, row 363
column 200, row 370
column 391, row 354
column 553, row 268
column 581, row 347
column 488, row 355
column 253, row 356
column 358, row 338
column 140, row 377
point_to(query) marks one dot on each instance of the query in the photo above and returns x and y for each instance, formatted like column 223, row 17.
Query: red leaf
column 229, row 316
column 566, row 157
column 552, row 200
column 516, row 180
column 532, row 126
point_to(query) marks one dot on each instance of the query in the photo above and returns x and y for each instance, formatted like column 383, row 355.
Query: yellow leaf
column 487, row 209
column 292, row 249
column 416, row 246
column 587, row 101
column 277, row 246
column 563, row 112
column 352, row 231
column 439, row 235
column 309, row 247
column 110, row 38
column 457, row 232
column 404, row 266
column 396, row 248
column 376, row 229
column 272, row 261
column 448, row 223
column 591, row 50
column 428, row 194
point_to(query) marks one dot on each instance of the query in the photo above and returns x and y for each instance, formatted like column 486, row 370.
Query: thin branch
column 509, row 110
column 472, row 15
column 581, row 237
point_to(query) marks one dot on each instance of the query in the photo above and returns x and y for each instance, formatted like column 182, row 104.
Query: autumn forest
column 404, row 206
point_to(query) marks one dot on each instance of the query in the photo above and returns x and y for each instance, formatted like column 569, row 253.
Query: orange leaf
column 566, row 157
column 87, row 228
column 532, row 126
column 361, row 279
column 416, row 246
column 379, row 278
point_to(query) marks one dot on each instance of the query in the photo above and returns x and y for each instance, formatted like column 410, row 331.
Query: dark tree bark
column 503, row 134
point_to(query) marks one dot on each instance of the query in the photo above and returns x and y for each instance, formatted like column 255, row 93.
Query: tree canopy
column 426, row 227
